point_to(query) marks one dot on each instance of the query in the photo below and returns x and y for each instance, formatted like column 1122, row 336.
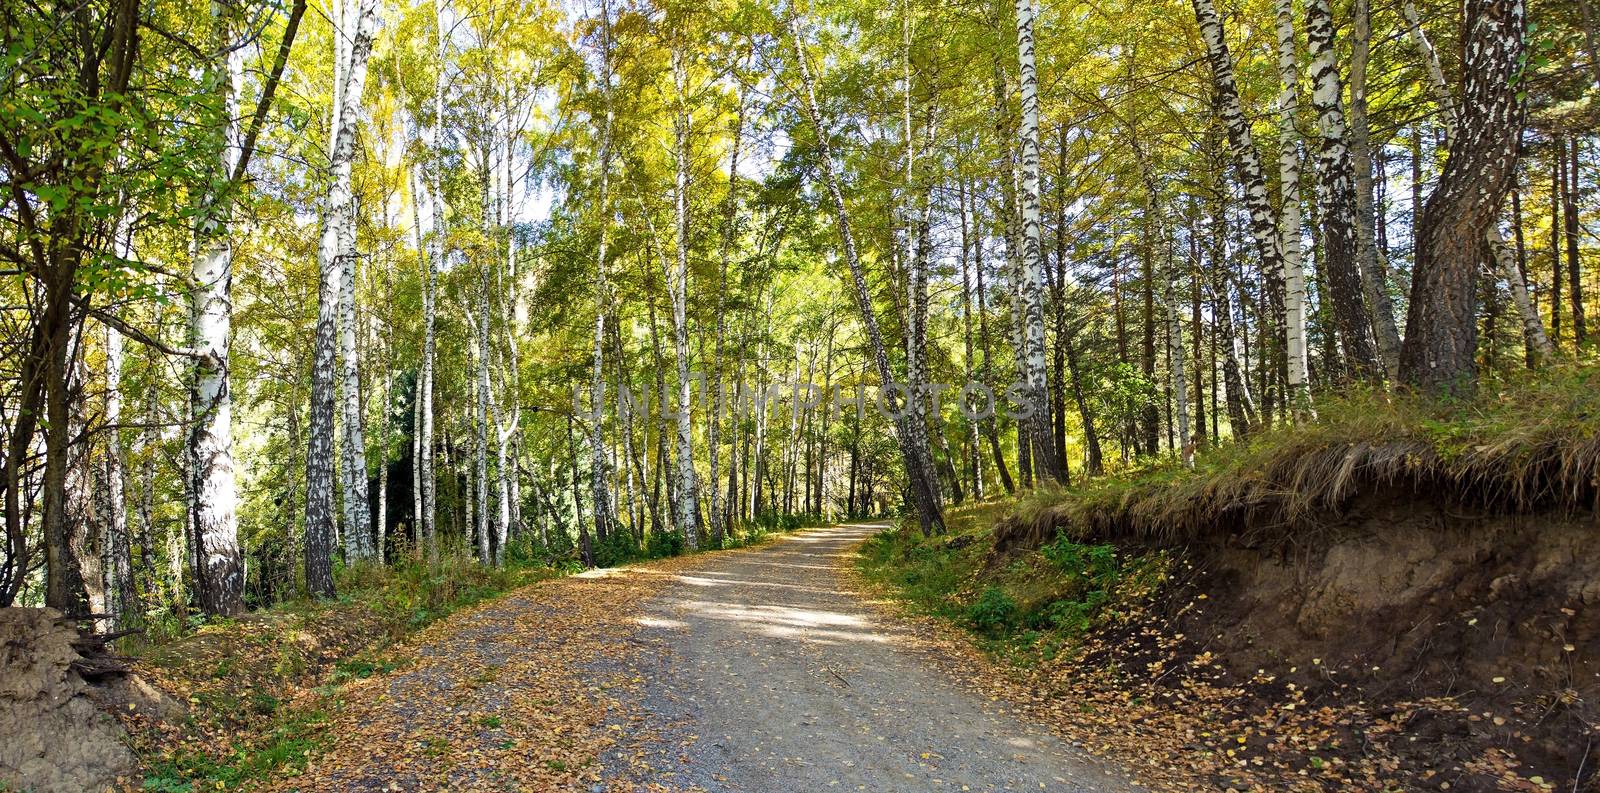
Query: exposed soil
column 56, row 687
column 1405, row 647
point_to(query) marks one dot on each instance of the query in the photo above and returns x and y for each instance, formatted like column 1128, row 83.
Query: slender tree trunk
column 353, row 456
column 1289, row 225
column 599, row 482
column 678, row 284
column 319, row 458
column 1569, row 209
column 974, row 458
column 1336, row 191
column 912, row 439
column 1045, row 459
column 1367, row 254
column 1264, row 227
column 122, row 600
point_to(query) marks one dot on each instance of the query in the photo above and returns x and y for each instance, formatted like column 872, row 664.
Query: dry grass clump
column 1523, row 446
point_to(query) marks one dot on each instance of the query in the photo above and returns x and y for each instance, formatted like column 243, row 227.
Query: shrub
column 663, row 544
column 994, row 612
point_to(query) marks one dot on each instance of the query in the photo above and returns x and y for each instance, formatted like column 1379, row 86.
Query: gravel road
column 763, row 674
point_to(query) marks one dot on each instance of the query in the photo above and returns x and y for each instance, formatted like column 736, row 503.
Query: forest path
column 771, row 675
column 752, row 670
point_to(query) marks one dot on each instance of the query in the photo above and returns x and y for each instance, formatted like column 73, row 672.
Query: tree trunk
column 1264, row 227
column 678, row 285
column 1441, row 327
column 319, row 458
column 1367, row 253
column 220, row 585
column 1336, row 191
column 1289, row 228
column 1041, row 434
column 1569, row 210
column 912, row 439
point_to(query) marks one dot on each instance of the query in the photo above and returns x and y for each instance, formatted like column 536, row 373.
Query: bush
column 994, row 612
column 617, row 548
column 663, row 544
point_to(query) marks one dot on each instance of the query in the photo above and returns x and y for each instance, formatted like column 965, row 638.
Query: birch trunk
column 1532, row 325
column 337, row 210
column 1337, row 198
column 678, row 284
column 358, row 544
column 719, row 525
column 220, row 583
column 1180, row 387
column 1294, row 276
column 1441, row 327
column 1373, row 270
column 599, row 475
column 1264, row 228
column 912, row 440
column 118, row 565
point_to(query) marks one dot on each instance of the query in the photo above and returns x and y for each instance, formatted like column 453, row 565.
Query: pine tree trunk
column 1441, row 327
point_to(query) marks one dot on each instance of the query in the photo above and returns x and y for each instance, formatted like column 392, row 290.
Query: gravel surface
column 763, row 674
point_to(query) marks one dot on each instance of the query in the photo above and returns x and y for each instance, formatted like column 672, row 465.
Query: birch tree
column 1532, row 325
column 337, row 210
column 1440, row 346
column 912, row 439
column 1289, row 233
column 1336, row 195
column 678, row 285
column 1045, row 460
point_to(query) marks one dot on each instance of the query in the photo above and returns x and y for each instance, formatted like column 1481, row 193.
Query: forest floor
column 752, row 670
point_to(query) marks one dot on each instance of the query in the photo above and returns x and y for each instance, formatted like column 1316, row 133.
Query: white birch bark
column 719, row 525
column 358, row 545
column 213, row 487
column 1247, row 160
column 1373, row 270
column 330, row 259
column 599, row 475
column 678, row 285
column 1532, row 323
column 912, row 439
column 1289, row 221
column 1041, row 435
column 1180, row 387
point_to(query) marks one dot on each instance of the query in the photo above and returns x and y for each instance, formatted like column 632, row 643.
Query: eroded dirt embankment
column 1406, row 643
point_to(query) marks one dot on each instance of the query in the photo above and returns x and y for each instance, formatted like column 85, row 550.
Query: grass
column 1036, row 606
column 1521, row 445
column 1031, row 575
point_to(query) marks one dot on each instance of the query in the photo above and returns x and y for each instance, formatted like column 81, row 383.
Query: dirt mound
column 56, row 734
